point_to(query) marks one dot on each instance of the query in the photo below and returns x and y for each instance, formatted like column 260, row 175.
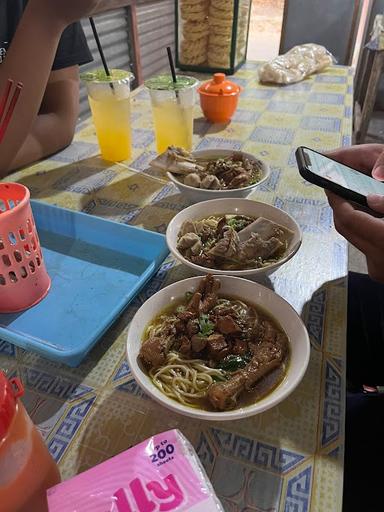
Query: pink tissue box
column 160, row 474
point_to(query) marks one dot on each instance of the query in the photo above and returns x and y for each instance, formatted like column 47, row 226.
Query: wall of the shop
column 156, row 27
column 326, row 22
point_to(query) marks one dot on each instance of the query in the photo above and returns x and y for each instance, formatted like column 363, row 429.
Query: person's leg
column 364, row 453
column 365, row 331
column 364, row 429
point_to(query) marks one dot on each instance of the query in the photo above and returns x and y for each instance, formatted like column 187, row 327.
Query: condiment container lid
column 219, row 86
column 10, row 390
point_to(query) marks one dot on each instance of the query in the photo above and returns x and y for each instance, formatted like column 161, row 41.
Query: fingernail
column 376, row 200
column 378, row 172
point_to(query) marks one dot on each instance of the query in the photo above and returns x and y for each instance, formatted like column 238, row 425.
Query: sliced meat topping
column 198, row 343
column 186, row 315
column 227, row 247
column 204, row 260
column 154, row 351
column 207, row 304
column 192, row 327
column 217, row 347
column 179, row 326
column 194, row 303
column 185, row 346
column 273, row 336
column 256, row 247
column 239, row 181
column 210, row 288
column 240, row 347
column 227, row 325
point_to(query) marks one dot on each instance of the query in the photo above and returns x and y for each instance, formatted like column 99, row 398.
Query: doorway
column 265, row 29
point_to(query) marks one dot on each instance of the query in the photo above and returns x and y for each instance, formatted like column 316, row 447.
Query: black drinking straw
column 172, row 66
column 96, row 36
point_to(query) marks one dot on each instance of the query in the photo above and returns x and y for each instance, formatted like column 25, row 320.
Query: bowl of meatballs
column 213, row 173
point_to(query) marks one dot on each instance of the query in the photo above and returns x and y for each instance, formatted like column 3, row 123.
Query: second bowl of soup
column 237, row 237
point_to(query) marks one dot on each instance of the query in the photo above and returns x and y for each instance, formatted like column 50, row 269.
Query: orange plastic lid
column 219, row 86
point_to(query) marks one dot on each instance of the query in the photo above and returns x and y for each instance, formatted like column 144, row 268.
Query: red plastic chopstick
column 5, row 97
column 11, row 107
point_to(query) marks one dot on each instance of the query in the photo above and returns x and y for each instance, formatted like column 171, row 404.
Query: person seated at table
column 42, row 45
column 364, row 441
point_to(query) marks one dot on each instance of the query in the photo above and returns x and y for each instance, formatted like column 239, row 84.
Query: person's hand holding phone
column 363, row 230
column 378, row 168
column 368, row 158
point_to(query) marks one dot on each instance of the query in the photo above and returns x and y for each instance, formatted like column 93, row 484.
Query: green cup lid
column 99, row 75
column 165, row 82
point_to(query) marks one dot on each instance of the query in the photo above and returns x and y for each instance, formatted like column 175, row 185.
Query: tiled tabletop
column 289, row 458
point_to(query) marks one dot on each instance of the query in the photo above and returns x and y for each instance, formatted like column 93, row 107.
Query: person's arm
column 362, row 229
column 29, row 60
column 54, row 126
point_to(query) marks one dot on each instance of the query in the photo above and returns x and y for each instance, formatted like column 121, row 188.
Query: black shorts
column 364, row 429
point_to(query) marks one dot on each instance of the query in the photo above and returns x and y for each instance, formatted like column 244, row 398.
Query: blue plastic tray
column 97, row 267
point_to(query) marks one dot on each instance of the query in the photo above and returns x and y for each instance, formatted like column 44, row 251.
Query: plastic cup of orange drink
column 172, row 107
column 109, row 99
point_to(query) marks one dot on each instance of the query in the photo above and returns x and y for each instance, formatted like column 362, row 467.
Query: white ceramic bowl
column 249, row 291
column 233, row 206
column 200, row 194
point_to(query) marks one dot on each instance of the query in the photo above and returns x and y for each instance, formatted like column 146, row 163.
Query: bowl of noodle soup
column 182, row 383
column 200, row 223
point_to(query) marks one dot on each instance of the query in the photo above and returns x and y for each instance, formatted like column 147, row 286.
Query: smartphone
column 338, row 178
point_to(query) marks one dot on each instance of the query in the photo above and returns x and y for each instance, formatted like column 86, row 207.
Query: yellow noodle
column 185, row 380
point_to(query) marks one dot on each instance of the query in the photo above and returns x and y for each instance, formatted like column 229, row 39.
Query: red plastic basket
column 24, row 280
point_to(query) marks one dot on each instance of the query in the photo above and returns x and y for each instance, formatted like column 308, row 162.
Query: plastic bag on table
column 295, row 65
column 161, row 473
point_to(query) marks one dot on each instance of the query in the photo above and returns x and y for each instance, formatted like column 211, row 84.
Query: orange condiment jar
column 27, row 469
column 218, row 98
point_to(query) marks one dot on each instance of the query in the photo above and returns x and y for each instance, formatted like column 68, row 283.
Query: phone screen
column 342, row 175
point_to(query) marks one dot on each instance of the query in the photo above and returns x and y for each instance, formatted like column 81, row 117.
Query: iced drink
column 172, row 106
column 109, row 99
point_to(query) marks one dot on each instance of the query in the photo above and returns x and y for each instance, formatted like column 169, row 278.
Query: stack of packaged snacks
column 195, row 31
column 206, row 31
column 220, row 33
